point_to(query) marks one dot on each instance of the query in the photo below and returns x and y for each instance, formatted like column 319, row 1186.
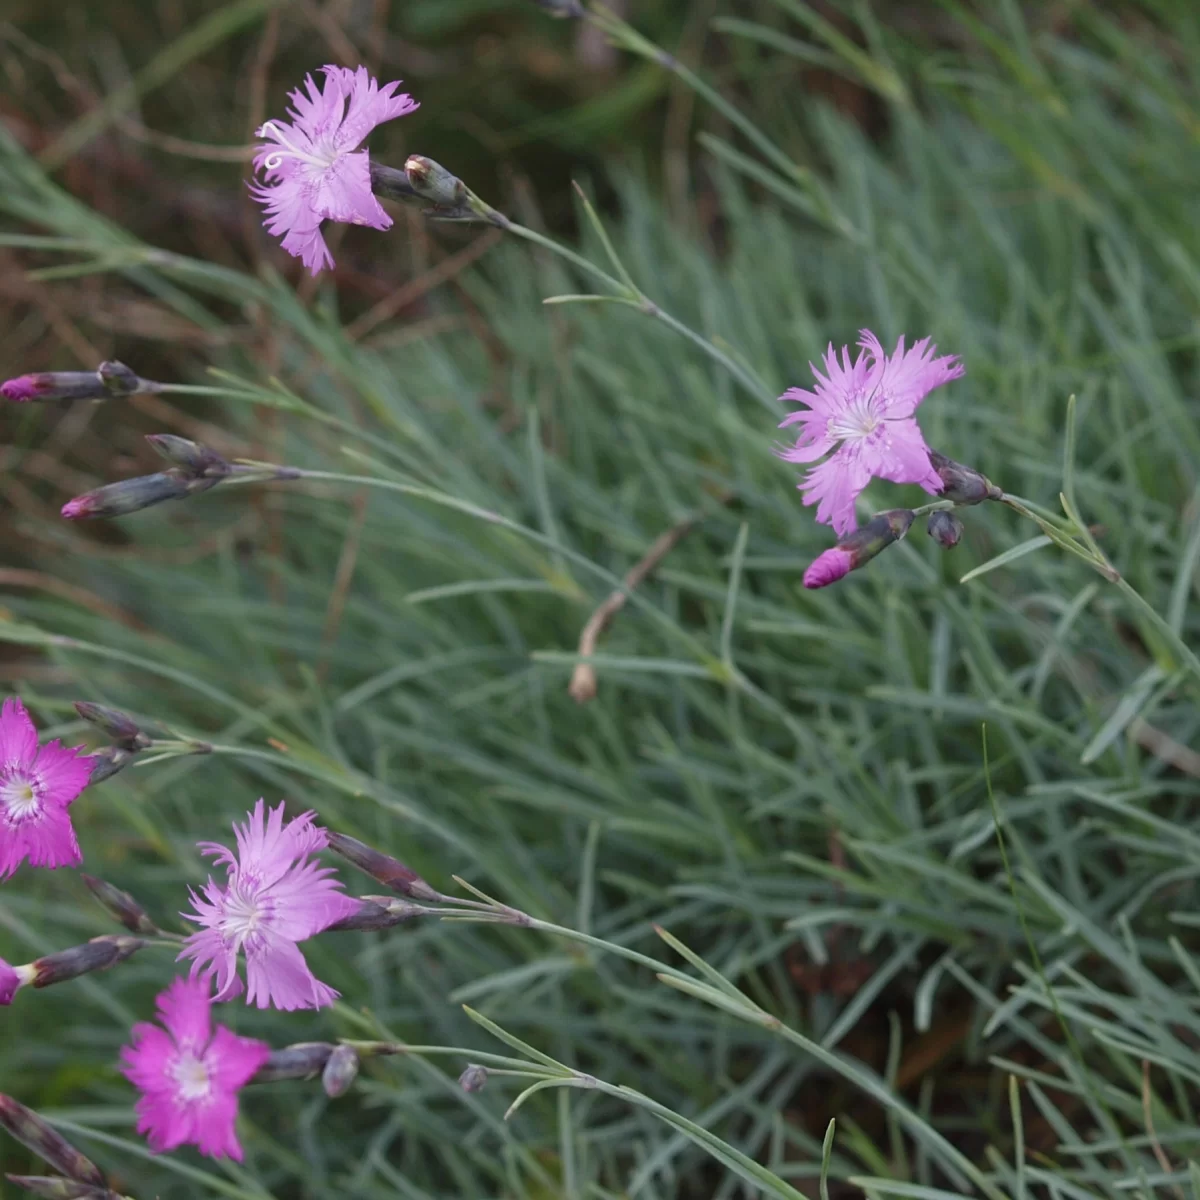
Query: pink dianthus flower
column 37, row 786
column 189, row 1074
column 863, row 412
column 274, row 897
column 313, row 169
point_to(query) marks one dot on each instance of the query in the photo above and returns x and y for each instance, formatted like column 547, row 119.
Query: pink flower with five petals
column 37, row 786
column 189, row 1074
column 863, row 412
column 274, row 897
column 312, row 168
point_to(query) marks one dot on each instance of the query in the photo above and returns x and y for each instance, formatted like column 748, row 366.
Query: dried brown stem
column 582, row 687
column 1165, row 747
column 1147, row 1116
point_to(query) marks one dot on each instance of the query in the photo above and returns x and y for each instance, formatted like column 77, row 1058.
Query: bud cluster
column 128, row 740
column 80, row 1179
column 336, row 1063
column 961, row 485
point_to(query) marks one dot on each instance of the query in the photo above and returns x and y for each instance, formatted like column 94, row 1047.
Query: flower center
column 858, row 420
column 322, row 158
column 245, row 914
column 19, row 797
column 191, row 1075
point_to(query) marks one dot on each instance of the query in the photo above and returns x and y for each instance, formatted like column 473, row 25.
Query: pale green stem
column 633, row 296
column 863, row 1079
column 1057, row 534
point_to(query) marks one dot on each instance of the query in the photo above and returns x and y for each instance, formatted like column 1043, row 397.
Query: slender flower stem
column 747, row 1010
column 1061, row 537
column 565, row 252
column 634, row 297
column 935, row 506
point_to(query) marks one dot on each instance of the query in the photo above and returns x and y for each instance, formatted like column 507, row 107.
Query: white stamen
column 276, row 157
column 19, row 797
column 859, row 419
column 243, row 916
column 191, row 1074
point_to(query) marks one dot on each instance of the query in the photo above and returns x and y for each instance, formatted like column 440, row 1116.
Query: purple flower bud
column 107, row 761
column 431, row 181
column 473, row 1078
column 35, row 1134
column 126, row 496
column 341, row 1068
column 119, row 726
column 382, row 867
column 372, row 916
column 96, row 955
column 302, row 1060
column 945, row 529
column 54, row 1187
column 120, row 905
column 390, row 183
column 858, row 547
column 963, row 485
column 194, row 458
column 112, row 379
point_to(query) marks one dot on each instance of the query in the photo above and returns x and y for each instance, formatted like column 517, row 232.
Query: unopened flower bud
column 340, row 1071
column 372, row 916
column 858, row 547
column 945, row 529
column 54, row 1187
column 126, row 496
column 35, row 1134
column 382, row 867
column 302, row 1060
column 96, row 955
column 107, row 761
column 120, row 905
column 473, row 1078
column 119, row 726
column 118, row 380
column 561, row 8
column 192, row 456
column 390, row 183
column 431, row 181
column 112, row 379
column 963, row 485
column 400, row 910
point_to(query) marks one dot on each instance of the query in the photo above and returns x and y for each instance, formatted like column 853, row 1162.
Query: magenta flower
column 189, row 1074
column 37, row 786
column 274, row 897
column 865, row 409
column 22, row 389
column 313, row 168
column 10, row 980
column 828, row 567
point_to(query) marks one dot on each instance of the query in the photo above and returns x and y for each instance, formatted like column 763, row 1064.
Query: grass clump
column 977, row 955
